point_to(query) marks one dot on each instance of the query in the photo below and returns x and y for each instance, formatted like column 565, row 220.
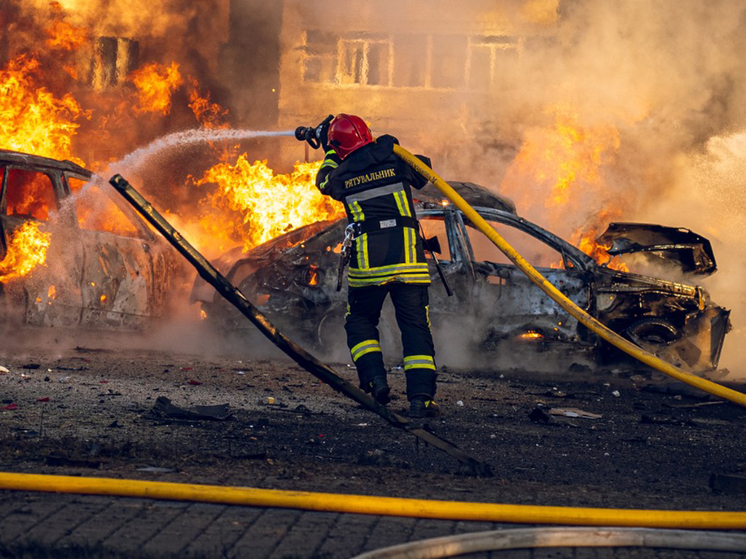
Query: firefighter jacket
column 374, row 185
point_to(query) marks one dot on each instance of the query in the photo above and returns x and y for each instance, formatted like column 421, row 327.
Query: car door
column 442, row 228
column 508, row 304
column 48, row 294
column 124, row 275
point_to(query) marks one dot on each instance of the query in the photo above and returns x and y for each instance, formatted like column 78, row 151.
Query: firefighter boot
column 380, row 390
column 422, row 407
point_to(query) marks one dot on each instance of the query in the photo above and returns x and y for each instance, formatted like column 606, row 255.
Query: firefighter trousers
column 411, row 309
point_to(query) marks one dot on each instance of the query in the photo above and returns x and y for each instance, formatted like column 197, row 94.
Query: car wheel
column 652, row 332
column 330, row 333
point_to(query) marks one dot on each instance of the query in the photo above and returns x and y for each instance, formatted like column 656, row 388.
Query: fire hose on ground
column 384, row 506
column 560, row 298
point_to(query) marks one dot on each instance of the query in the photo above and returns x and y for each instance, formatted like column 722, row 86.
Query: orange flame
column 247, row 204
column 155, row 84
column 531, row 335
column 567, row 160
column 585, row 240
column 265, row 205
column 598, row 252
column 32, row 119
column 63, row 35
column 27, row 249
column 208, row 114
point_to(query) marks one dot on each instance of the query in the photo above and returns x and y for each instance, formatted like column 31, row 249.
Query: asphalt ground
column 86, row 411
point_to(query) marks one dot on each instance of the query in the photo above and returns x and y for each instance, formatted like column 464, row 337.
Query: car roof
column 474, row 194
column 27, row 159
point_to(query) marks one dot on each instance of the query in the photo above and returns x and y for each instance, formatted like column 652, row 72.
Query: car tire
column 652, row 332
column 330, row 333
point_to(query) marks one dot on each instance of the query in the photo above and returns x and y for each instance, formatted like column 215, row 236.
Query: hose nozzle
column 314, row 135
column 301, row 133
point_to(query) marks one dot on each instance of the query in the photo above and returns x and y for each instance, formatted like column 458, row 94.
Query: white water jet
column 137, row 158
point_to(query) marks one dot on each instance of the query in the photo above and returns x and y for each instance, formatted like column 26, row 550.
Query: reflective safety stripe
column 417, row 273
column 402, row 278
column 410, row 245
column 420, row 267
column 329, row 163
column 375, row 193
column 363, row 348
column 402, row 203
column 419, row 362
column 361, row 242
column 357, row 211
column 361, row 248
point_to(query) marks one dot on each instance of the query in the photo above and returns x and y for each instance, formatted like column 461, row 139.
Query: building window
column 358, row 58
column 320, row 61
column 448, row 61
column 113, row 59
column 410, row 60
column 364, row 59
column 489, row 56
column 417, row 60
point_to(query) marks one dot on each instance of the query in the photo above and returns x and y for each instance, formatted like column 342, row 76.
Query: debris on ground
column 574, row 412
column 164, row 408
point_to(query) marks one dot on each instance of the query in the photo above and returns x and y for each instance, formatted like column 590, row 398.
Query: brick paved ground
column 94, row 526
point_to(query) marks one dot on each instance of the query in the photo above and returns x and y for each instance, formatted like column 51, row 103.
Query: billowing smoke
column 669, row 76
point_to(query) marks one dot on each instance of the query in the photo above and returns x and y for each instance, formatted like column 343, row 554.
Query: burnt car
column 104, row 266
column 495, row 309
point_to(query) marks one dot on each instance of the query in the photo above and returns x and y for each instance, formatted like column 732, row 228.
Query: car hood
column 691, row 252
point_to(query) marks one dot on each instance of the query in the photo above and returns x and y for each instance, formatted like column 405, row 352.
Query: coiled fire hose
column 559, row 297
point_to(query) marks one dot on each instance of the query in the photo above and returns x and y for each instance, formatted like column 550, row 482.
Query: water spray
column 137, row 158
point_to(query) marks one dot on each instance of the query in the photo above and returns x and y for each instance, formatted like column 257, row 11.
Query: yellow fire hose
column 560, row 298
column 385, row 506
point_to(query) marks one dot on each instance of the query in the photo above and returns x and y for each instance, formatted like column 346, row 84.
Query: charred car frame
column 104, row 267
column 293, row 278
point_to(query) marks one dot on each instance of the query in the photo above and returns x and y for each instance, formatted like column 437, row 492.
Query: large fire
column 27, row 249
column 50, row 103
column 156, row 84
column 32, row 118
column 566, row 161
column 264, row 204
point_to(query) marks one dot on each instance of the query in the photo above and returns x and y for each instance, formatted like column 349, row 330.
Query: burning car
column 71, row 255
column 293, row 279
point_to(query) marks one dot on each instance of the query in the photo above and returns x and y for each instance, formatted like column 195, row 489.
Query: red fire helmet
column 348, row 133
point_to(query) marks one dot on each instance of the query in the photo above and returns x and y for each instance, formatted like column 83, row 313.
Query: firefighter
column 386, row 256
